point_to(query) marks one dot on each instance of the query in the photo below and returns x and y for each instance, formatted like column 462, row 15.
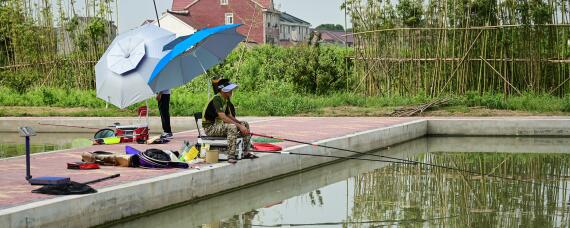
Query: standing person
column 163, row 98
column 219, row 119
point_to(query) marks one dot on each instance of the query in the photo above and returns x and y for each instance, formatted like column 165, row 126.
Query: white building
column 174, row 24
column 292, row 28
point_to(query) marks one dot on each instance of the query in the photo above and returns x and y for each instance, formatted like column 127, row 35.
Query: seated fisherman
column 219, row 119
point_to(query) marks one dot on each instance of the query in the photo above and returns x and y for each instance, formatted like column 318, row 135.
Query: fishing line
column 412, row 161
column 330, row 156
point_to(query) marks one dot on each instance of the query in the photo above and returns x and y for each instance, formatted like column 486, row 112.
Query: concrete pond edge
column 125, row 200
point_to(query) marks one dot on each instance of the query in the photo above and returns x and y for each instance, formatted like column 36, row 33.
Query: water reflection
column 422, row 193
column 372, row 194
column 11, row 144
column 11, row 150
column 236, row 221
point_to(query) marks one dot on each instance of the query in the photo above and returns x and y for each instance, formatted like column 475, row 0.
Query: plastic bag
column 189, row 153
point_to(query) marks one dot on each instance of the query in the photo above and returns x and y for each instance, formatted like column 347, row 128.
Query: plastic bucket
column 212, row 156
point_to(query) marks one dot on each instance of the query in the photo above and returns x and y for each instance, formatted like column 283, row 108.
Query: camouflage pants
column 231, row 132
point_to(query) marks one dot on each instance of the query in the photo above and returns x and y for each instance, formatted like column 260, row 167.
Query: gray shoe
column 166, row 135
column 232, row 159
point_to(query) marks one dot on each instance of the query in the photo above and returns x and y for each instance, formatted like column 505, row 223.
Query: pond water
column 370, row 194
column 11, row 144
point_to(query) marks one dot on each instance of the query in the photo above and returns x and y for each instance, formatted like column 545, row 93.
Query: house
column 171, row 22
column 293, row 29
column 262, row 23
column 336, row 37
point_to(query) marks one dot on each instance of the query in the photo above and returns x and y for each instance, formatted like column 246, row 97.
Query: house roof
column 336, row 36
column 190, row 21
column 285, row 17
column 265, row 4
column 180, row 15
column 147, row 21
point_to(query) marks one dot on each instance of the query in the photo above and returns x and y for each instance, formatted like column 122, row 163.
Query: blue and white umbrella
column 122, row 73
column 193, row 55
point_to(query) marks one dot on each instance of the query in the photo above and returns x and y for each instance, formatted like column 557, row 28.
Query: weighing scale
column 28, row 132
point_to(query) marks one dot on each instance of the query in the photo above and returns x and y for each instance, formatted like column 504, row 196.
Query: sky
column 133, row 12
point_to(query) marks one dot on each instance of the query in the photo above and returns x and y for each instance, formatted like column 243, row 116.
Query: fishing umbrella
column 122, row 73
column 192, row 55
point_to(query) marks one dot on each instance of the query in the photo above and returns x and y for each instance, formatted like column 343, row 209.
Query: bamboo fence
column 454, row 48
column 53, row 43
column 410, row 61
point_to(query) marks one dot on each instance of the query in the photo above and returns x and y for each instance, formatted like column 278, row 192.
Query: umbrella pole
column 204, row 69
column 156, row 12
column 147, row 109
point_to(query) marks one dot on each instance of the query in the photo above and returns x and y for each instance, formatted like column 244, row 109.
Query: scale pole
column 28, row 175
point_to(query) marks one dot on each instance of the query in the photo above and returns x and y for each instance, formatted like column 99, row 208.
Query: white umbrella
column 122, row 73
column 126, row 54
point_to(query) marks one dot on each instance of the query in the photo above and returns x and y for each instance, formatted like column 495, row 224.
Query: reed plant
column 270, row 101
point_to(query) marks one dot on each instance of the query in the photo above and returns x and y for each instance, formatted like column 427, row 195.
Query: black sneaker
column 166, row 135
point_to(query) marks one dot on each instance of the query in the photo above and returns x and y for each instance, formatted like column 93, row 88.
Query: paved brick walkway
column 14, row 189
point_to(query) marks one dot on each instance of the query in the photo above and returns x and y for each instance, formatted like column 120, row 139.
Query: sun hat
column 227, row 87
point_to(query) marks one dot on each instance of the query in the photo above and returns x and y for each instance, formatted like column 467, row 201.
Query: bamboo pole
column 500, row 75
column 461, row 61
column 464, row 28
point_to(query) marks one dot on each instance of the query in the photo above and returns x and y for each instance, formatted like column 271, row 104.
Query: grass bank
column 270, row 101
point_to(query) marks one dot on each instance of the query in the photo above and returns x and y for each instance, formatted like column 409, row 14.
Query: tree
column 484, row 12
column 410, row 12
column 331, row 27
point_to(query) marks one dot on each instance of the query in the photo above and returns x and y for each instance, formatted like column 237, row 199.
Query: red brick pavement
column 14, row 189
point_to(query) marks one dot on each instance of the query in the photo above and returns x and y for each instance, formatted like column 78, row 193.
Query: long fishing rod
column 61, row 125
column 408, row 161
column 330, row 156
column 330, row 147
column 392, row 221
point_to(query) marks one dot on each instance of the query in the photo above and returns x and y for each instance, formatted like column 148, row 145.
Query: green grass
column 270, row 101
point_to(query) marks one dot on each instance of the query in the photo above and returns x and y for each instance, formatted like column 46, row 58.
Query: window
column 224, row 2
column 229, row 18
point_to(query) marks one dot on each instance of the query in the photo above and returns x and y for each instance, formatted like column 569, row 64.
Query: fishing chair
column 217, row 143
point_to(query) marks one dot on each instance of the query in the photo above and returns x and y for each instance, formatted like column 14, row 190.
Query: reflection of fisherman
column 219, row 118
column 243, row 220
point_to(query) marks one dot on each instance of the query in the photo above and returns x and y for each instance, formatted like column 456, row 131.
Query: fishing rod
column 61, row 125
column 330, row 156
column 103, row 179
column 396, row 221
column 330, row 147
column 409, row 161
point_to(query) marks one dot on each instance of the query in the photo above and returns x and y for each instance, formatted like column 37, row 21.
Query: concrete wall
column 90, row 124
column 118, row 202
column 500, row 127
column 8, row 124
column 499, row 144
column 126, row 200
